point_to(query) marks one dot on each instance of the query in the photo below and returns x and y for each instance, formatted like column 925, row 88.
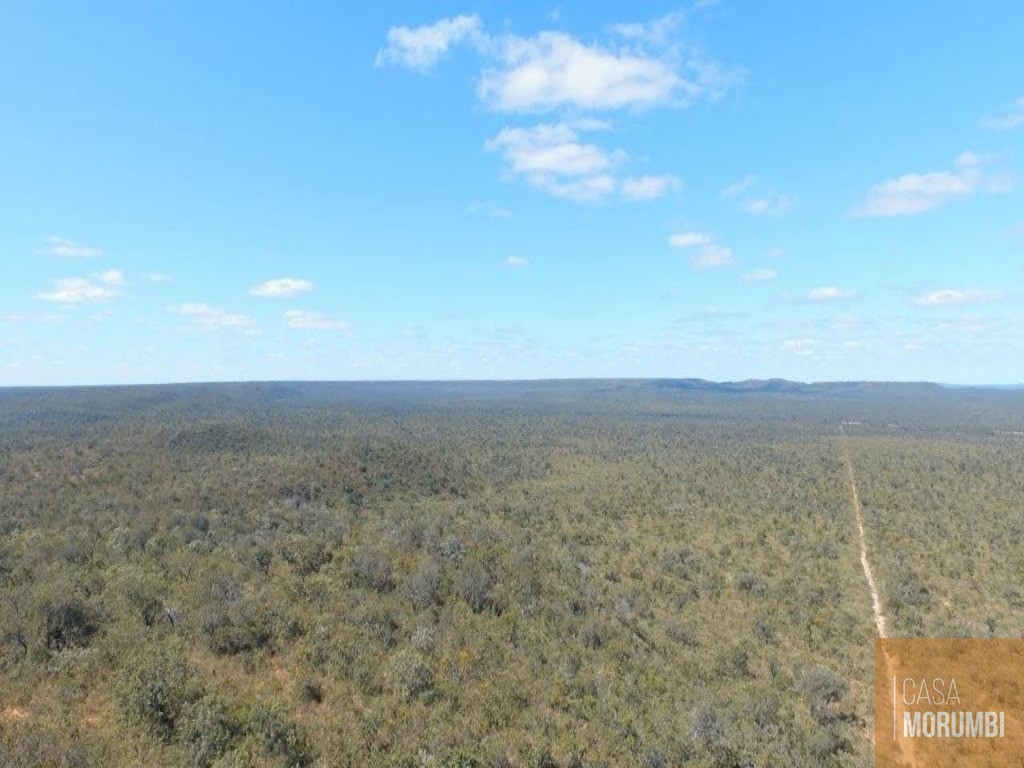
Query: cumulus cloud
column 772, row 202
column 758, row 275
column 711, row 257
column 919, row 192
column 656, row 31
column 703, row 252
column 552, row 157
column 638, row 65
column 1010, row 118
column 753, row 198
column 62, row 246
column 688, row 239
column 648, row 187
column 517, row 262
column 946, row 297
column 281, row 287
column 420, row 48
column 208, row 318
column 828, row 293
column 738, row 187
column 553, row 70
column 80, row 290
column 314, row 321
column 641, row 65
column 111, row 277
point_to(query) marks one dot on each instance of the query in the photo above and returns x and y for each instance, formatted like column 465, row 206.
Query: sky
column 728, row 190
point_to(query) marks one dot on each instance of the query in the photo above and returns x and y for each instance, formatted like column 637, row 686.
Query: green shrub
column 243, row 626
column 69, row 623
column 154, row 691
column 823, row 691
column 277, row 736
column 422, row 588
column 208, row 731
column 408, row 675
column 474, row 585
column 370, row 570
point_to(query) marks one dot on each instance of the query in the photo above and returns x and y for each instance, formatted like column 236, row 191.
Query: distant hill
column 785, row 386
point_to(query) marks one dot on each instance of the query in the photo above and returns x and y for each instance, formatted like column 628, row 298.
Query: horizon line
column 536, row 380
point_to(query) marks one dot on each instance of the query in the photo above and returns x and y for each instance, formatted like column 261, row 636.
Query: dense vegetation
column 563, row 574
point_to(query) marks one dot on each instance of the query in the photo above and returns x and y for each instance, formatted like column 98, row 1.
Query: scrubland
column 556, row 574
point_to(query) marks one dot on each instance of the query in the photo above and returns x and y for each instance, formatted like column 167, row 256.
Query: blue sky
column 196, row 191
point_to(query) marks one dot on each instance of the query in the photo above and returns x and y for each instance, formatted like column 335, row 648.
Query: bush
column 155, row 690
column 708, row 728
column 823, row 691
column 277, row 736
column 591, row 637
column 309, row 690
column 370, row 571
column 422, row 588
column 408, row 675
column 208, row 731
column 34, row 747
column 452, row 550
column 238, row 627
column 68, row 624
column 423, row 639
column 474, row 586
column 306, row 557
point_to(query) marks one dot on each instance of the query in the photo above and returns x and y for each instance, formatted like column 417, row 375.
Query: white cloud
column 549, row 149
column 946, row 297
column 586, row 189
column 711, row 257
column 704, row 253
column 111, row 277
column 656, row 32
column 214, row 319
column 553, row 70
column 156, row 277
column 773, row 202
column 281, row 287
column 828, row 293
column 803, row 347
column 314, row 321
column 517, row 262
column 739, row 186
column 758, row 275
column 420, row 48
column 688, row 239
column 640, row 65
column 61, row 246
column 648, row 187
column 78, row 290
column 551, row 157
column 918, row 192
column 762, row 202
column 1010, row 118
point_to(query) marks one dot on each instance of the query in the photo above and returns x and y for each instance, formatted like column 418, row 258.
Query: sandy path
column 906, row 751
column 881, row 623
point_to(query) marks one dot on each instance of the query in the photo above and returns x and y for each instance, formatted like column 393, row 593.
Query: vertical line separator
column 894, row 707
